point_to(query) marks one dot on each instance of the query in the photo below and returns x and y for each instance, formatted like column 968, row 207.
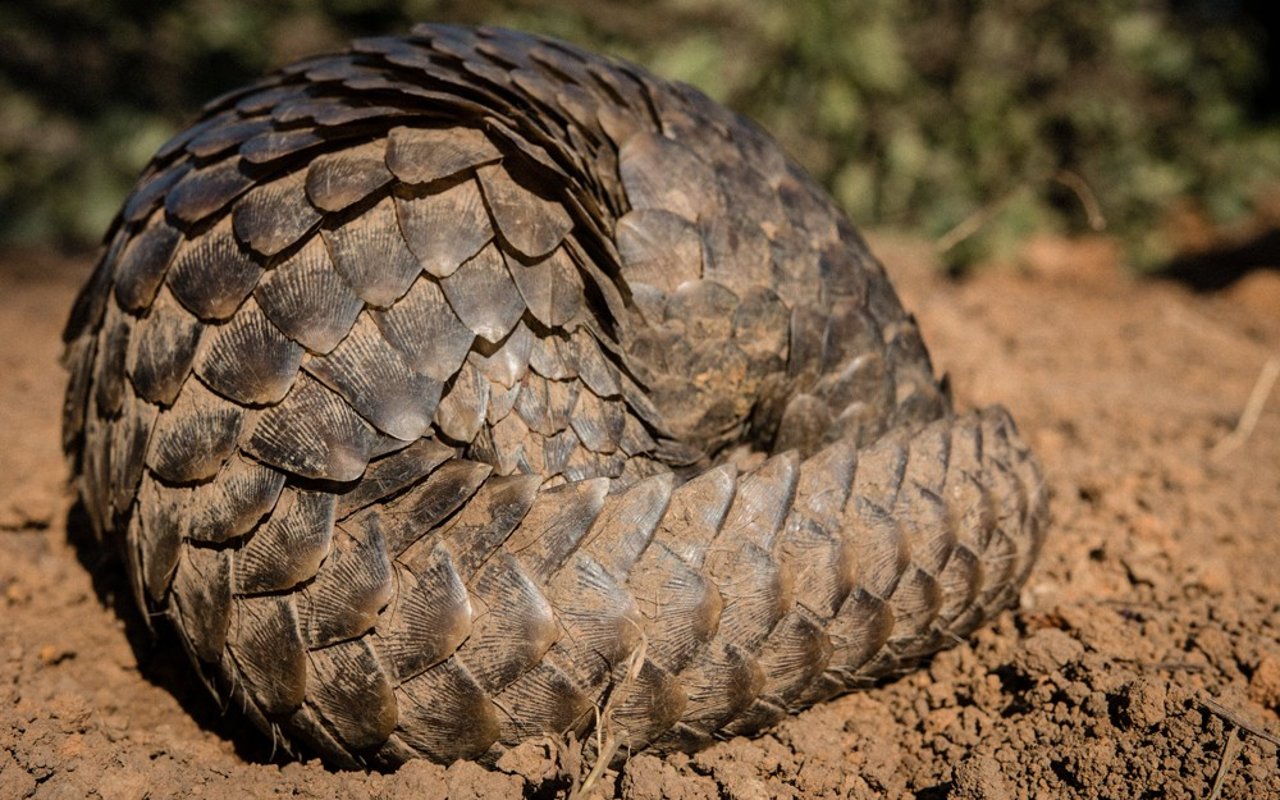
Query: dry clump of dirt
column 1145, row 660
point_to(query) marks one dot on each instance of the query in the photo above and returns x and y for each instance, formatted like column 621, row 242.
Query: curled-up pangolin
column 466, row 388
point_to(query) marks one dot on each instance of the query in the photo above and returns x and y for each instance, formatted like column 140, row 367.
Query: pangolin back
column 466, row 388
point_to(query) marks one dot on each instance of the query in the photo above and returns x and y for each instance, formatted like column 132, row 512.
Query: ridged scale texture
column 465, row 388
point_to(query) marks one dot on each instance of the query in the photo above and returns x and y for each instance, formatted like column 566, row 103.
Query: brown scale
column 467, row 388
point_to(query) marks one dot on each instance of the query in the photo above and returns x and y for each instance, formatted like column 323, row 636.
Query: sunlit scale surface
column 466, row 388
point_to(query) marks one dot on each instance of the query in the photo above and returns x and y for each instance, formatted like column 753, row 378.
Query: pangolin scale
column 465, row 388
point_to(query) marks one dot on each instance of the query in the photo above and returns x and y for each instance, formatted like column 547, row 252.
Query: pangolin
column 465, row 387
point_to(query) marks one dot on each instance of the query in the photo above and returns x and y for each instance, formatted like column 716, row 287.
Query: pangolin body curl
column 465, row 388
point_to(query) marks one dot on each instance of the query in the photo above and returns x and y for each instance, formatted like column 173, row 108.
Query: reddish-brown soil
column 1145, row 661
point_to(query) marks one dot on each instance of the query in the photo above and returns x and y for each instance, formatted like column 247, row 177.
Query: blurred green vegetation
column 973, row 123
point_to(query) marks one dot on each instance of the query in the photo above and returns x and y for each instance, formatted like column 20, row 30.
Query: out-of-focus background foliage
column 970, row 122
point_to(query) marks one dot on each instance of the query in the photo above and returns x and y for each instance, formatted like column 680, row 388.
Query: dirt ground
column 1145, row 661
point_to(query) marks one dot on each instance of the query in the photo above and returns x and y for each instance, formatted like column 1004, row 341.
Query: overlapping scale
column 265, row 644
column 484, row 296
column 193, row 437
column 340, row 179
column 429, row 617
column 445, row 714
column 289, row 547
column 200, row 600
column 312, row 432
column 507, row 362
column 349, row 687
column 205, row 190
column 353, row 584
column 307, row 299
column 425, row 328
column 162, row 350
column 530, row 223
column 423, row 155
column 371, row 255
column 142, row 266
column 247, row 358
column 551, row 287
column 513, row 624
column 445, row 228
column 274, row 216
column 212, row 274
column 462, row 411
column 374, row 378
